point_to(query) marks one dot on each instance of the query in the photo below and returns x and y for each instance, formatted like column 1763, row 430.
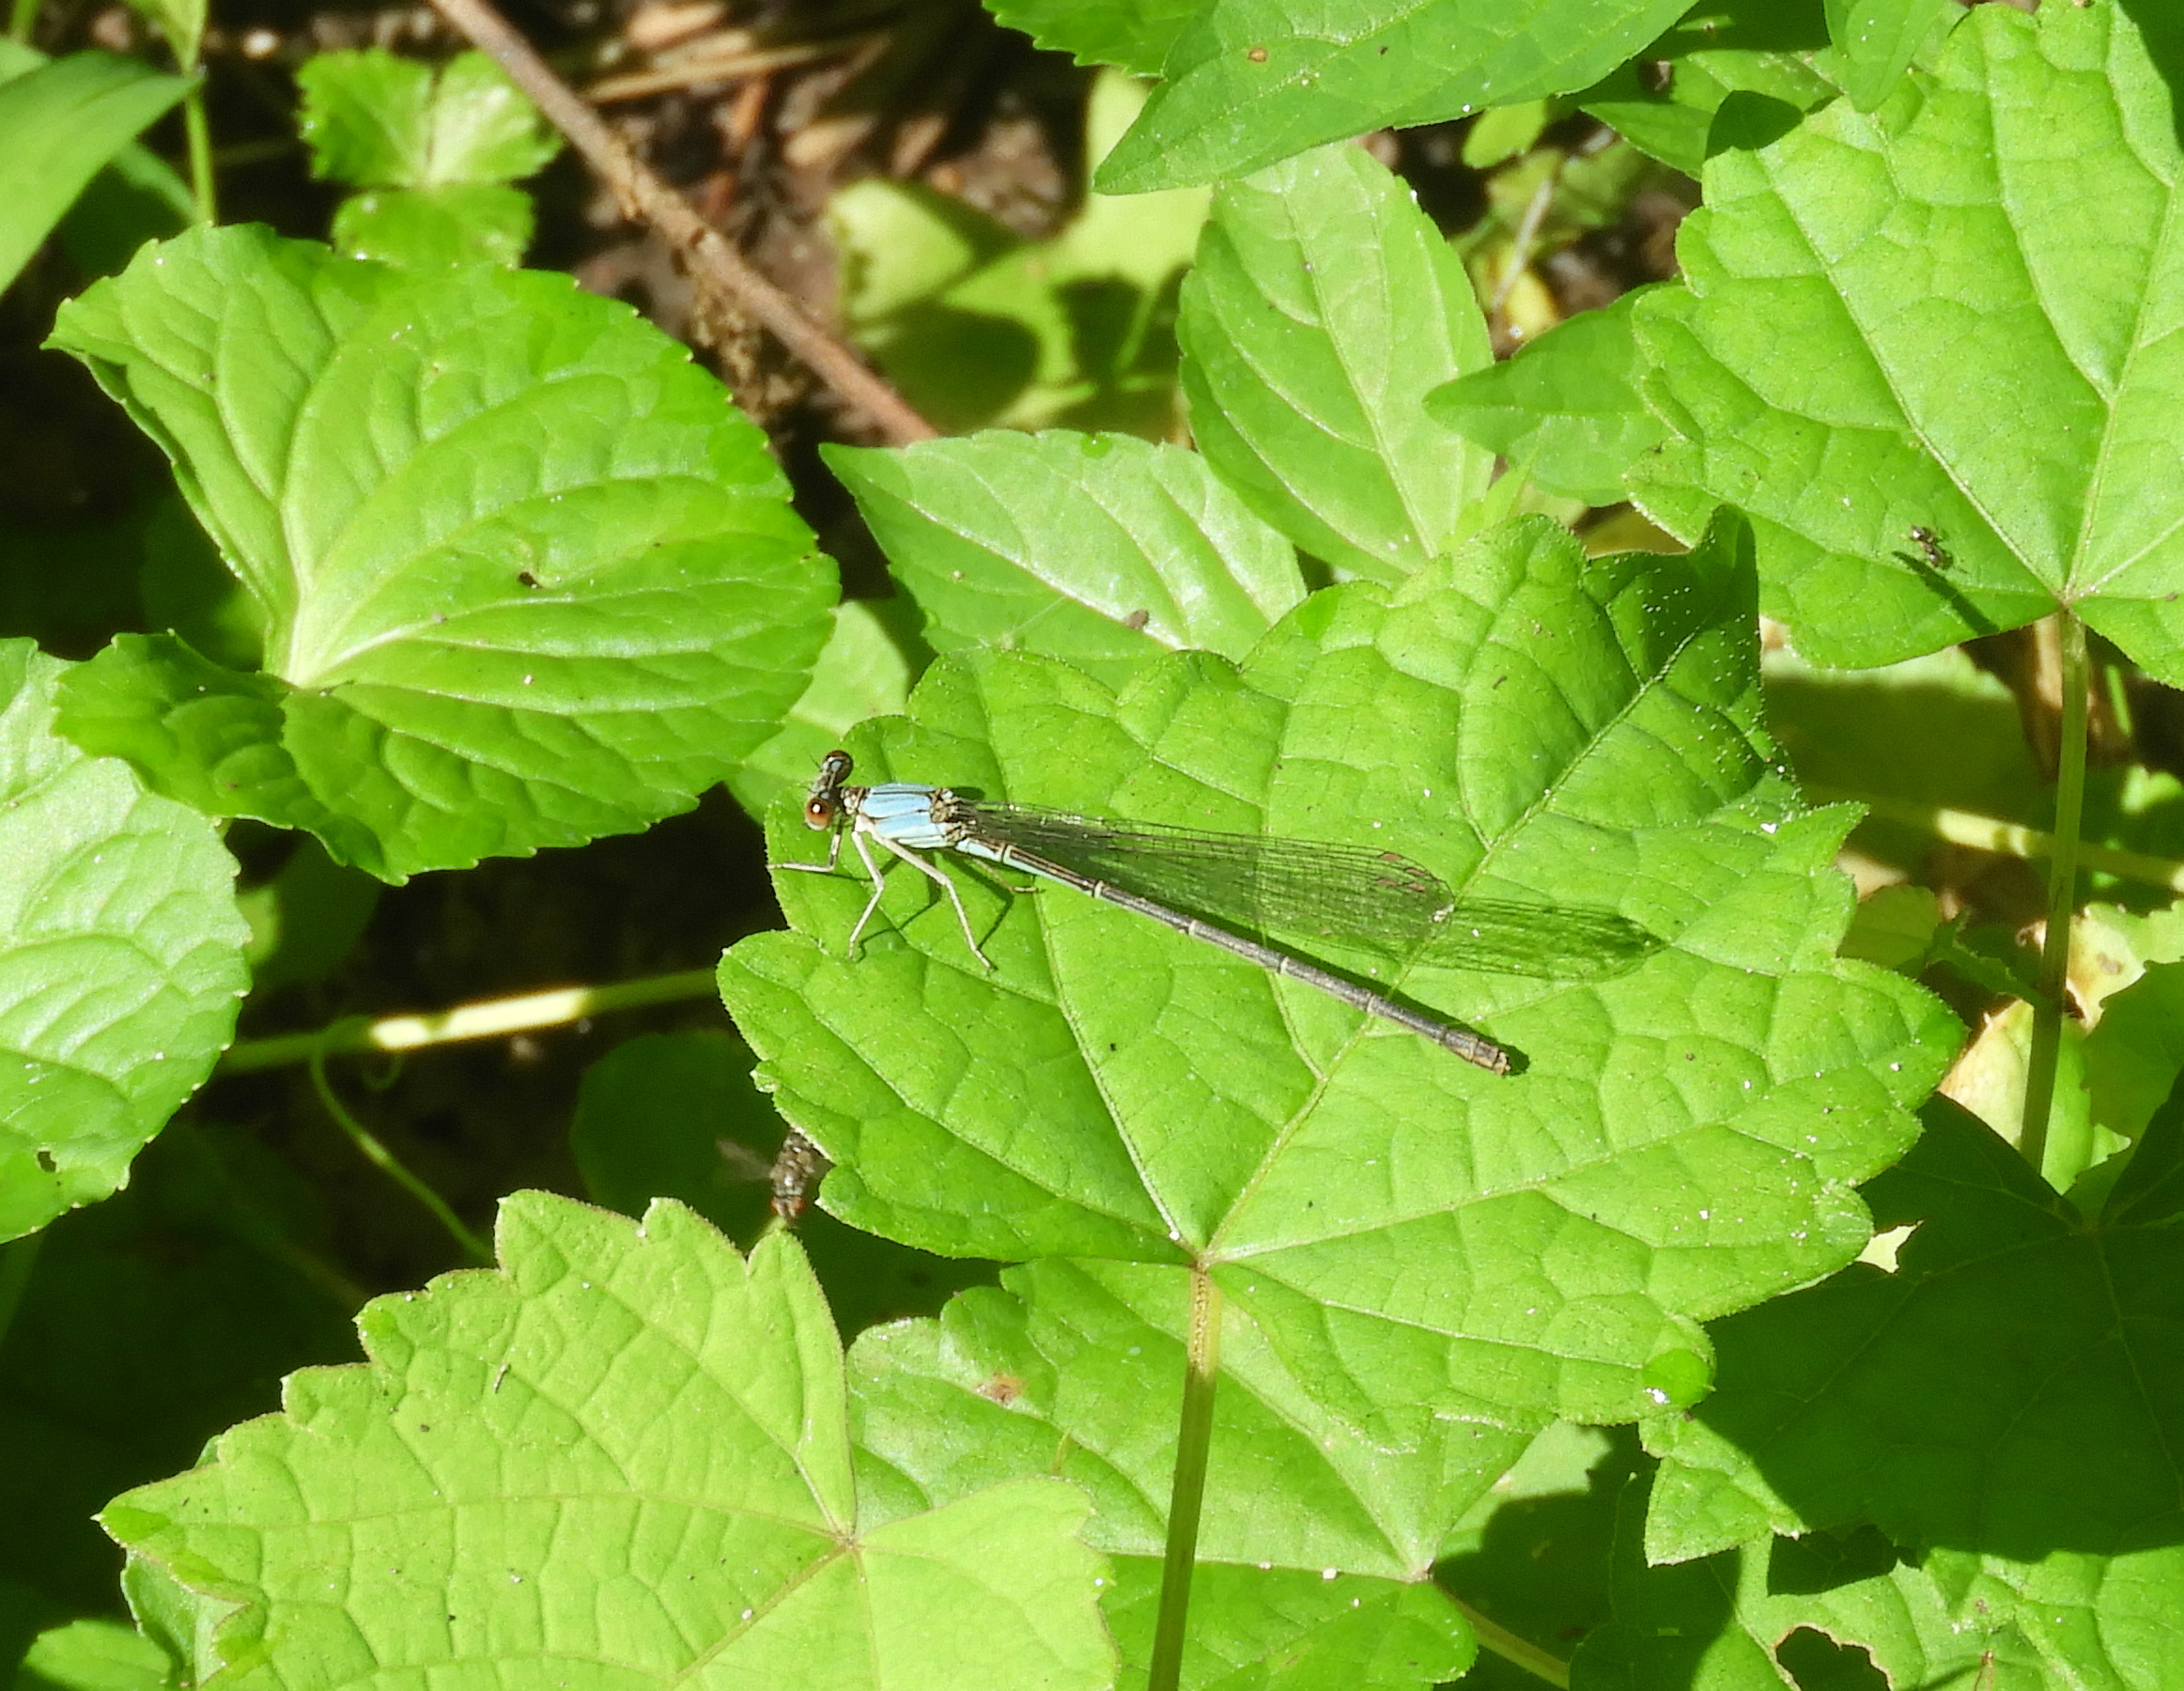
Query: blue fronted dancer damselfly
column 1341, row 891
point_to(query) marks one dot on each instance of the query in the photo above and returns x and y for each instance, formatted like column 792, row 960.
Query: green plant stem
column 21, row 20
column 1518, row 1652
column 2007, row 839
column 385, row 1160
column 492, row 1019
column 2040, row 1081
column 199, row 135
column 17, row 1258
column 1194, row 1440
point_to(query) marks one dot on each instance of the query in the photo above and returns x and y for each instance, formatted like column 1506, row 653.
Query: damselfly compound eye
column 818, row 813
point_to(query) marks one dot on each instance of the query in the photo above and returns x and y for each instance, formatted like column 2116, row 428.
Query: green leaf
column 1894, row 927
column 1741, row 1618
column 94, row 1655
column 417, row 228
column 1368, row 1203
column 1133, row 34
column 1100, row 549
column 1937, row 730
column 1316, row 1547
column 1664, row 103
column 2136, row 1051
column 980, row 328
column 373, row 121
column 2041, row 1486
column 184, row 587
column 1565, row 410
column 64, row 122
column 120, row 957
column 149, row 1323
column 525, row 577
column 1323, row 307
column 1976, row 281
column 1249, row 83
column 1505, row 133
column 864, row 670
column 1875, row 40
column 1532, row 1555
column 623, row 1459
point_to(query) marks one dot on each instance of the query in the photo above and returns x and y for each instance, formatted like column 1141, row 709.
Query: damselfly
column 1195, row 883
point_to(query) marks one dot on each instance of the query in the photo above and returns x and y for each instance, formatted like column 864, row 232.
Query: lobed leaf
column 524, row 576
column 120, row 957
column 1316, row 1547
column 1978, row 279
column 2045, row 1478
column 1802, row 1609
column 620, row 1460
column 1413, row 1235
column 377, row 120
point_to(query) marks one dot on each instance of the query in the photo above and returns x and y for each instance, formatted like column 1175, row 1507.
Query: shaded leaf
column 1664, row 103
column 2039, row 1488
column 64, row 122
column 120, row 957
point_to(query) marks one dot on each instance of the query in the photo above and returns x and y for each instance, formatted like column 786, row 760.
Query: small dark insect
column 525, row 577
column 797, row 1173
column 1137, row 620
column 1928, row 542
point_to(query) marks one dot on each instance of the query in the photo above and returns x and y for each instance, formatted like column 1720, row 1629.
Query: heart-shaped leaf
column 524, row 576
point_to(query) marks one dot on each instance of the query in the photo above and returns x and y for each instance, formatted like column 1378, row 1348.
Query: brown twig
column 712, row 260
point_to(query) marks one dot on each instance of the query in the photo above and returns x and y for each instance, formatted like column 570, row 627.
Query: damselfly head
column 823, row 804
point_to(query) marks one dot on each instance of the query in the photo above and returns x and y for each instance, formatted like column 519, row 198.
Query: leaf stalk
column 493, row 1018
column 1194, row 1441
column 197, row 137
column 376, row 1154
column 2039, row 1086
column 2007, row 839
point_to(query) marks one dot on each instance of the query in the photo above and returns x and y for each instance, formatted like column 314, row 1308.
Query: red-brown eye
column 818, row 813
